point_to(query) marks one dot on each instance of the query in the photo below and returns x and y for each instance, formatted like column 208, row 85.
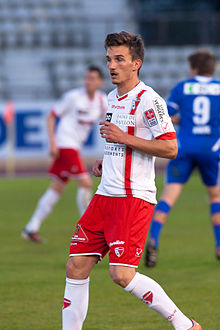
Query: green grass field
column 32, row 277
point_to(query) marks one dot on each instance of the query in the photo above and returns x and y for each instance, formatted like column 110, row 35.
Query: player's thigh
column 209, row 165
column 84, row 181
column 171, row 193
column 58, row 186
column 127, row 222
column 79, row 267
column 88, row 238
column 180, row 169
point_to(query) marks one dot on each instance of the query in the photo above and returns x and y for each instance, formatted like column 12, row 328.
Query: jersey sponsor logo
column 159, row 107
column 170, row 317
column 148, row 297
column 125, row 119
column 108, row 116
column 83, row 112
column 114, row 150
column 138, row 252
column 79, row 235
column 116, row 243
column 119, row 251
column 66, row 303
column 118, row 106
column 204, row 89
column 151, row 118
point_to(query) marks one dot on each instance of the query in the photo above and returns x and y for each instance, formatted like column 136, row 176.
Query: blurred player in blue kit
column 194, row 104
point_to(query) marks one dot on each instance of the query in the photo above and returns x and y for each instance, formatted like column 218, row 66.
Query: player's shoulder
column 72, row 93
column 101, row 94
column 150, row 94
column 112, row 95
column 215, row 81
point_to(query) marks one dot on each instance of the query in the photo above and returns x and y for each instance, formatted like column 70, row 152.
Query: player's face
column 120, row 64
column 92, row 81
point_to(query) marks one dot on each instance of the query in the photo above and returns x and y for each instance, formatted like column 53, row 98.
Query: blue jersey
column 197, row 101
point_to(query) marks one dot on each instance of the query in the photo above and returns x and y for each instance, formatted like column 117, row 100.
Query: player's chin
column 115, row 80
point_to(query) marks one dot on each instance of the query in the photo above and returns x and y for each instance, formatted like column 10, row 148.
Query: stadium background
column 46, row 46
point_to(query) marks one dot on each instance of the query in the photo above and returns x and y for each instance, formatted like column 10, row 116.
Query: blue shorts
column 180, row 169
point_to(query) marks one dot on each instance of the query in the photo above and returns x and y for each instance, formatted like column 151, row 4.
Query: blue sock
column 215, row 208
column 157, row 226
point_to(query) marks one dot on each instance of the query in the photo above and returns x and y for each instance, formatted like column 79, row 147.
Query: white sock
column 43, row 209
column 83, row 199
column 76, row 299
column 150, row 292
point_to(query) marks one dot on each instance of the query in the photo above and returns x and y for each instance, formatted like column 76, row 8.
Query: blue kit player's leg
column 178, row 172
column 209, row 169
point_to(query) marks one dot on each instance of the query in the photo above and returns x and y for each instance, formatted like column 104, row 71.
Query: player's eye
column 120, row 59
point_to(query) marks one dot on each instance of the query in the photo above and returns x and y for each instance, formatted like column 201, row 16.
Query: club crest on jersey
column 119, row 251
column 148, row 297
column 151, row 118
column 108, row 116
column 79, row 235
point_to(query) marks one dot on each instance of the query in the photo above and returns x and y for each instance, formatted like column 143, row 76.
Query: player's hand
column 111, row 133
column 54, row 151
column 97, row 168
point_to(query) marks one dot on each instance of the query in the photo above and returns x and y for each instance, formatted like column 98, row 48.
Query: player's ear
column 137, row 64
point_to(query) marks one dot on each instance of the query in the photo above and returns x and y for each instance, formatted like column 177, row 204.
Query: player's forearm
column 51, row 128
column 159, row 148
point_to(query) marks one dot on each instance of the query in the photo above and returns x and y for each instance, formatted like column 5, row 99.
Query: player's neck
column 127, row 86
column 91, row 94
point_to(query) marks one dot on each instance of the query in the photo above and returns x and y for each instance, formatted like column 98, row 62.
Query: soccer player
column 137, row 128
column 77, row 111
column 195, row 105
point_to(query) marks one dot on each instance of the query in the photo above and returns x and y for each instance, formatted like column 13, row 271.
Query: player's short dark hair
column 203, row 60
column 133, row 41
column 97, row 69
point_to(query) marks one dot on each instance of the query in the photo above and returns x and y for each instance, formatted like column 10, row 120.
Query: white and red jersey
column 77, row 113
column 125, row 171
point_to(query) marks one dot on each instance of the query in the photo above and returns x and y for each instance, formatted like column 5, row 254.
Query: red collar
column 122, row 97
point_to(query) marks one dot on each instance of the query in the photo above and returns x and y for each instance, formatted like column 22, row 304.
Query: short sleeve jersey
column 125, row 171
column 197, row 101
column 77, row 113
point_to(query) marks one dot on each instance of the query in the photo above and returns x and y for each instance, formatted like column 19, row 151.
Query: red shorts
column 116, row 224
column 68, row 165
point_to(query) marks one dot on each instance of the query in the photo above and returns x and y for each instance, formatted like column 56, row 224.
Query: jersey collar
column 134, row 91
column 203, row 79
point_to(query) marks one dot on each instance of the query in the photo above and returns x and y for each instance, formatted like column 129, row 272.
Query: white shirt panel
column 77, row 115
column 150, row 120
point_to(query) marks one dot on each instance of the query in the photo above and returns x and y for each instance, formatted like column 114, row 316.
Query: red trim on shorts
column 167, row 136
column 128, row 157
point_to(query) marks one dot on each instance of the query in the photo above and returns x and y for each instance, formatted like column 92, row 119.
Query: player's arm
column 175, row 119
column 97, row 168
column 51, row 123
column 165, row 148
